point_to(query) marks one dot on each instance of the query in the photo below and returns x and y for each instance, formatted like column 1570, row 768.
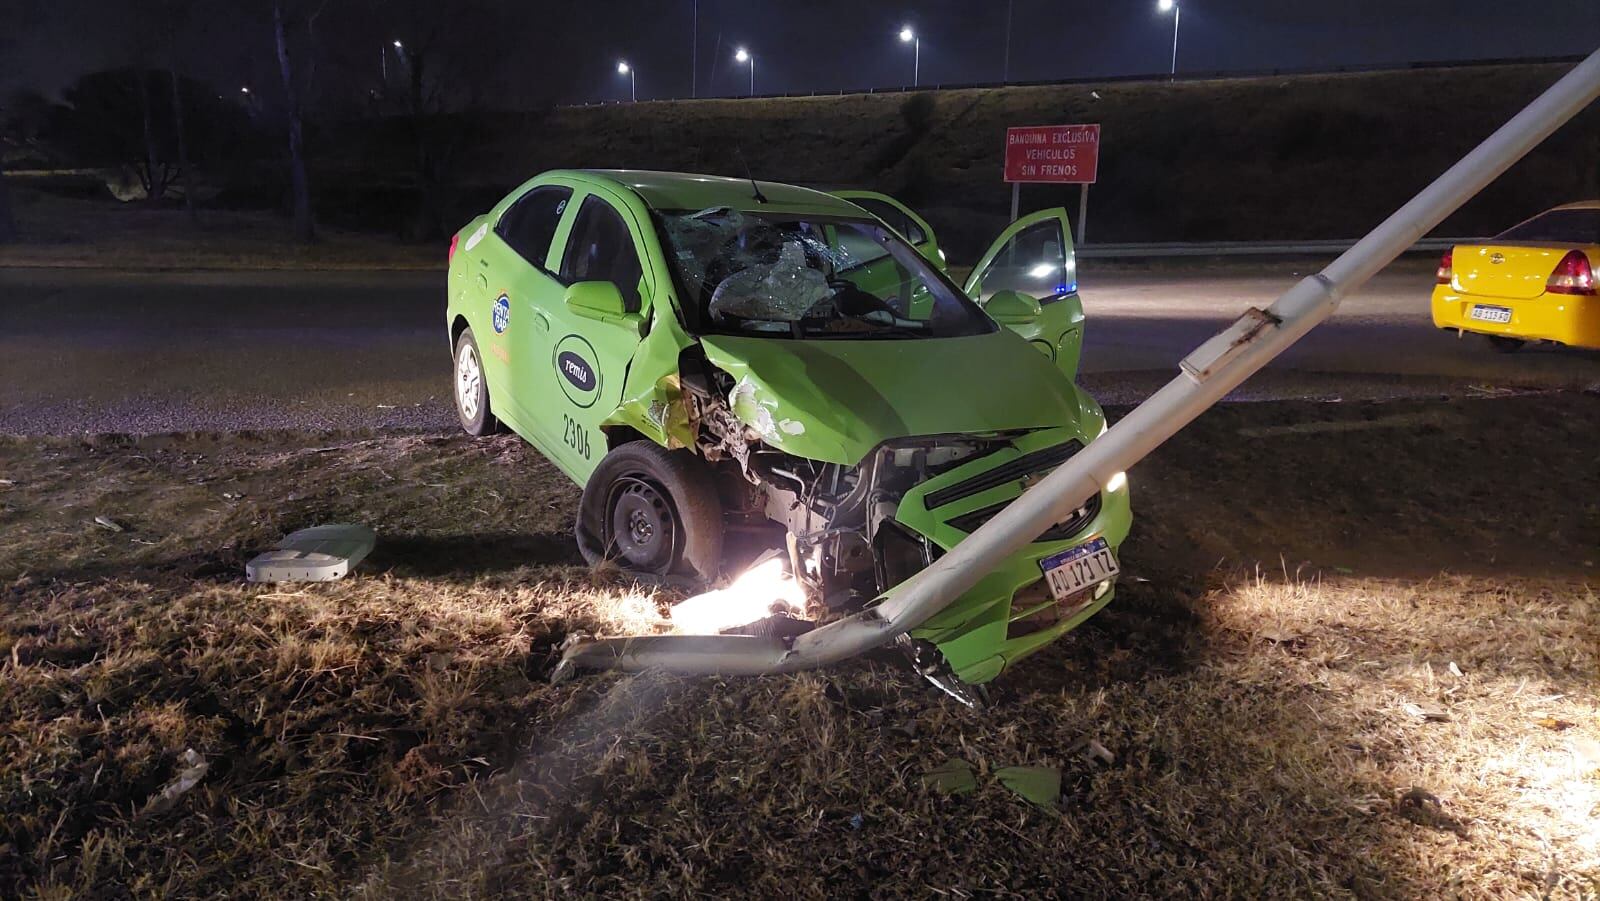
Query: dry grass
column 392, row 734
column 64, row 232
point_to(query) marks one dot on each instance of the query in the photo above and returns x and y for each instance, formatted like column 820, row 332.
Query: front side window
column 1034, row 262
column 790, row 275
column 530, row 225
column 1557, row 227
column 601, row 249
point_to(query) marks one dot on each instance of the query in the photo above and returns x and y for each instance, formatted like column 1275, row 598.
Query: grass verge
column 1352, row 660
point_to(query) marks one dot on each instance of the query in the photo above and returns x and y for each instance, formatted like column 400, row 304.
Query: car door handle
column 483, row 281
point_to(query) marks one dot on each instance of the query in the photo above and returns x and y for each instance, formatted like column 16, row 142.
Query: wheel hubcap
column 642, row 526
column 469, row 380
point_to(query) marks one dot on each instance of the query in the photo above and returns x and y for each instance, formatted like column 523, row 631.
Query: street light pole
column 911, row 37
column 744, row 56
column 633, row 85
column 1176, row 9
column 1005, row 67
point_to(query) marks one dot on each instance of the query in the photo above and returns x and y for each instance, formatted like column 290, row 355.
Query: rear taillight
column 452, row 257
column 1572, row 276
column 1445, row 263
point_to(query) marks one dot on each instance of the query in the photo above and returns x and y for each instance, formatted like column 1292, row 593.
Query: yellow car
column 1534, row 282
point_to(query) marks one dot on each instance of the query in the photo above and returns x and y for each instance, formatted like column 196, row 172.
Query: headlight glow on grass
column 759, row 592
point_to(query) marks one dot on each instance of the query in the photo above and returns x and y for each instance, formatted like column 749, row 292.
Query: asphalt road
column 105, row 351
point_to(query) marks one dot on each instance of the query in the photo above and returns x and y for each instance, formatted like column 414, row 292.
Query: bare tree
column 154, row 185
column 447, row 72
column 175, row 15
column 8, row 220
column 185, row 171
column 305, row 229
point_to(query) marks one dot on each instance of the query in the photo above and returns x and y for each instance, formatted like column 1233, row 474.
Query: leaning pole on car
column 1208, row 374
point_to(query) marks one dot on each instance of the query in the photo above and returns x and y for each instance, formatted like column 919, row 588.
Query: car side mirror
column 596, row 300
column 1012, row 308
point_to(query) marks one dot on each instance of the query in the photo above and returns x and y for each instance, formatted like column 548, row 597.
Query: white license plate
column 1501, row 315
column 1075, row 569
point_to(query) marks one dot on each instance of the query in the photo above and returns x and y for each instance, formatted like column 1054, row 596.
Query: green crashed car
column 722, row 363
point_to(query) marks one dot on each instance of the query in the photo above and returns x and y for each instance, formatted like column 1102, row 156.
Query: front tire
column 652, row 511
column 471, row 388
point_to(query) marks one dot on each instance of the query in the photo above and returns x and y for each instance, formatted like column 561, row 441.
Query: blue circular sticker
column 502, row 314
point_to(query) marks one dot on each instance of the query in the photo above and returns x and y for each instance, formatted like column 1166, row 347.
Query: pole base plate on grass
column 317, row 554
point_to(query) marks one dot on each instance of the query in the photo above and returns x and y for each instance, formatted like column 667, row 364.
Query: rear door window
column 601, row 249
column 530, row 224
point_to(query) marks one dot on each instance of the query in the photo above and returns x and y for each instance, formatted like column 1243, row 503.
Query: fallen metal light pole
column 1208, row 374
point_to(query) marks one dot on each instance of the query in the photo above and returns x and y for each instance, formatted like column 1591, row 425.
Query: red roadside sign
column 1057, row 154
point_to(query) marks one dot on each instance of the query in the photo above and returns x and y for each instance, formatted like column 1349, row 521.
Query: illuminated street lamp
column 383, row 58
column 744, row 56
column 907, row 36
column 633, row 86
column 245, row 90
column 1171, row 6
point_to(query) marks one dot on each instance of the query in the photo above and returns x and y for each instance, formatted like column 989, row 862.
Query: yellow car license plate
column 1483, row 313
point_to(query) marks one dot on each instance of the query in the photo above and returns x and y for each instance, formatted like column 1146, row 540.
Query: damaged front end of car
column 845, row 533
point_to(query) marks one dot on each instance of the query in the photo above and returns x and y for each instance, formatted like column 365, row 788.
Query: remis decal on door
column 574, row 361
column 502, row 314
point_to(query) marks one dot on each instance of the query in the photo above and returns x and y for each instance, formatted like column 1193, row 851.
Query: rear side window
column 895, row 217
column 601, row 249
column 530, row 225
column 1558, row 227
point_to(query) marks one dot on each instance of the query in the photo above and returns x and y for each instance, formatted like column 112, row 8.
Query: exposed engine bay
column 834, row 524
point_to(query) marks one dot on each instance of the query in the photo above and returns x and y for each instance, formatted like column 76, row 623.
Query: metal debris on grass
column 193, row 771
column 106, row 522
column 1427, row 712
column 1097, row 752
column 317, row 554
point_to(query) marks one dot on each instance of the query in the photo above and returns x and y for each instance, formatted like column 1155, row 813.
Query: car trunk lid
column 1510, row 271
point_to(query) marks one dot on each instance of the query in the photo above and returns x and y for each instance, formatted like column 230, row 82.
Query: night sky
column 568, row 51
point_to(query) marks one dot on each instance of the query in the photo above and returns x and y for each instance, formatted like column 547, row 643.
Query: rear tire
column 654, row 511
column 472, row 388
column 1505, row 344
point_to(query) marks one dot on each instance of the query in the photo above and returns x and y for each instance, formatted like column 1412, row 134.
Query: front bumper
column 1010, row 613
column 1573, row 320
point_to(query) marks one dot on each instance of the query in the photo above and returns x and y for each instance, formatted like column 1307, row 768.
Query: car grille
column 1061, row 531
column 1025, row 465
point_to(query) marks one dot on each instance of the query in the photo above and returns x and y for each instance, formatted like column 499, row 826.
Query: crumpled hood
column 835, row 400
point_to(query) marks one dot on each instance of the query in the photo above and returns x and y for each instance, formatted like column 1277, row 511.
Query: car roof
column 1579, row 205
column 688, row 191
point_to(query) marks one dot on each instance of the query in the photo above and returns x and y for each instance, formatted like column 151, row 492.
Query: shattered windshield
column 787, row 275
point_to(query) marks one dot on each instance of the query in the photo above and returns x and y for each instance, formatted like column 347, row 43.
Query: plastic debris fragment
column 1038, row 785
